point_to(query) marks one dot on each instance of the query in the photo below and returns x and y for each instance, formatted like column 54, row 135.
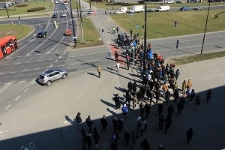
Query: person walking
column 170, row 110
column 116, row 56
column 96, row 137
column 180, row 107
column 120, row 125
column 89, row 123
column 209, row 95
column 99, row 70
column 161, row 122
column 118, row 67
column 115, row 123
column 127, row 136
column 143, row 125
column 147, row 109
column 134, row 87
column 104, row 123
column 189, row 84
column 176, row 95
column 117, row 29
column 184, row 85
column 177, row 74
column 149, row 95
column 142, row 108
column 145, row 145
column 125, row 110
column 197, row 102
column 167, row 96
column 192, row 96
column 168, row 121
column 160, row 108
column 157, row 95
column 189, row 135
column 130, row 86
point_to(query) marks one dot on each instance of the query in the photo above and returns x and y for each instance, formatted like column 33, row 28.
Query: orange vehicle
column 8, row 44
column 68, row 32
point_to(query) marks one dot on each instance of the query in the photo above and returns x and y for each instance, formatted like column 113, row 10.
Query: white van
column 163, row 8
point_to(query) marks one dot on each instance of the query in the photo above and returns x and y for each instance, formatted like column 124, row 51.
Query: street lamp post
column 74, row 34
column 145, row 45
column 206, row 22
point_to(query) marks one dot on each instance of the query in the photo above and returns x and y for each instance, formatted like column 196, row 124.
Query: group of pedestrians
column 158, row 86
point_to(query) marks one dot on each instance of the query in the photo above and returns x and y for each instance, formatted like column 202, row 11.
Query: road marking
column 12, row 72
column 17, row 63
column 64, row 53
column 38, row 54
column 18, row 56
column 24, row 70
column 6, row 84
column 8, row 107
column 17, row 98
column 192, row 46
column 33, row 82
column 25, row 90
column 60, row 57
column 56, row 60
column 37, row 69
column 41, row 60
column 8, row 57
column 50, row 59
column 27, row 62
column 51, row 65
column 21, row 81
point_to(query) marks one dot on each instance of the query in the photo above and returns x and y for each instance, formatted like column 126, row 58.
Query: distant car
column 198, row 8
column 63, row 15
column 56, row 2
column 41, row 34
column 90, row 12
column 178, row 2
column 68, row 32
column 169, row 2
column 150, row 10
column 52, row 75
column 185, row 8
column 54, row 16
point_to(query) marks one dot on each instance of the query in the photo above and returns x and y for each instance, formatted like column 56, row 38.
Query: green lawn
column 31, row 4
column 161, row 24
column 19, row 30
column 90, row 34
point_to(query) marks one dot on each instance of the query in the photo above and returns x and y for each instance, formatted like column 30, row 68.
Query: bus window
column 7, row 44
column 10, row 41
column 3, row 50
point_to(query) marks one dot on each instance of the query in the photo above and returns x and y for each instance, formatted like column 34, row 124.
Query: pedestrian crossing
column 61, row 11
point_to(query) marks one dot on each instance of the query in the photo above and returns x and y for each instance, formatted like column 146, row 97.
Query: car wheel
column 64, row 76
column 48, row 83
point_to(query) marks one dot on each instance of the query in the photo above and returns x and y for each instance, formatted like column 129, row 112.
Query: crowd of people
column 157, row 86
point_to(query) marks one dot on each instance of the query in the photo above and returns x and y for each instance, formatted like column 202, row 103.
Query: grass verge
column 90, row 35
column 19, row 30
column 162, row 24
column 13, row 10
column 198, row 57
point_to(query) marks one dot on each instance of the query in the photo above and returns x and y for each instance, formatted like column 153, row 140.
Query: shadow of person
column 110, row 111
column 121, row 89
column 69, row 120
column 93, row 74
column 107, row 103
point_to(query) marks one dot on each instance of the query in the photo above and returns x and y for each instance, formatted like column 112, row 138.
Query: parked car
column 169, row 2
column 63, row 15
column 198, row 8
column 56, row 2
column 150, row 10
column 49, row 76
column 54, row 16
column 68, row 32
column 42, row 34
column 185, row 8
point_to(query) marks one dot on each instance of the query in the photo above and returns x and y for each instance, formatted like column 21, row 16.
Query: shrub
column 35, row 9
column 21, row 5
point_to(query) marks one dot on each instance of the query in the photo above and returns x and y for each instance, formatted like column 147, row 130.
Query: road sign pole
column 110, row 60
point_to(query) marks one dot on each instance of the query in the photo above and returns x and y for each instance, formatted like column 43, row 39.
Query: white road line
column 33, row 82
column 51, row 65
column 8, row 57
column 8, row 107
column 18, row 56
column 17, row 98
column 64, row 53
column 38, row 54
column 21, row 81
column 25, row 90
column 24, row 70
column 37, row 69
column 41, row 60
column 6, row 84
column 56, row 60
column 12, row 72
column 17, row 63
column 27, row 62
column 60, row 57
column 192, row 46
column 50, row 59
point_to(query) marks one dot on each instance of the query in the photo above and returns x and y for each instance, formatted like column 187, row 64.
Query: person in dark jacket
column 168, row 121
column 192, row 96
column 78, row 118
column 160, row 108
column 145, row 145
column 134, row 87
column 189, row 135
column 96, row 136
column 89, row 123
column 130, row 86
column 157, row 95
column 117, row 101
column 176, row 95
column 209, row 95
column 104, row 123
column 170, row 110
column 180, row 107
column 147, row 109
column 120, row 125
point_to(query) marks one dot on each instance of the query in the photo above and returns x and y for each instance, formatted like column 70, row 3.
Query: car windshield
column 41, row 77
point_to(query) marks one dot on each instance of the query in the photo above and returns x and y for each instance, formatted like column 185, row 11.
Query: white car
column 63, row 15
column 56, row 2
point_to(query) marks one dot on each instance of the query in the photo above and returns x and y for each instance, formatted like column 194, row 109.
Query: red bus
column 7, row 45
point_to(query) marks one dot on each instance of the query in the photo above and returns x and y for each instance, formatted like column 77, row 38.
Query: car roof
column 52, row 70
column 41, row 31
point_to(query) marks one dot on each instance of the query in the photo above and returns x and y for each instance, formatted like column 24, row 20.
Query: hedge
column 21, row 5
column 35, row 9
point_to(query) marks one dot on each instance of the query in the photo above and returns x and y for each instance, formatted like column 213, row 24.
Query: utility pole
column 90, row 4
column 74, row 34
column 145, row 37
column 206, row 22
column 6, row 10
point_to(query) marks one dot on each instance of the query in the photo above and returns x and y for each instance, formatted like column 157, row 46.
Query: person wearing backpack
column 125, row 110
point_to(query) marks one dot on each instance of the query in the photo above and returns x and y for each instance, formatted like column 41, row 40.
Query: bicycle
column 31, row 147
